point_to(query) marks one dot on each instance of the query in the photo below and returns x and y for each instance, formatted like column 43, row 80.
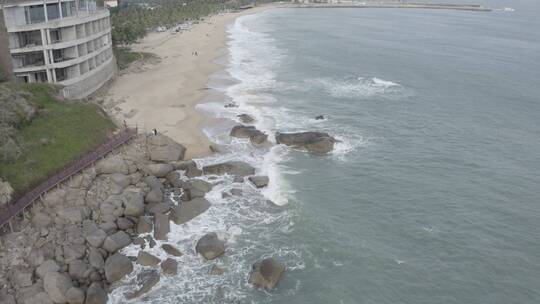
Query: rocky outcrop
column 254, row 135
column 259, row 181
column 117, row 266
column 163, row 149
column 116, row 241
column 189, row 167
column 56, row 285
column 231, row 168
column 186, row 211
column 266, row 273
column 158, row 170
column 210, row 246
column 146, row 280
column 245, row 118
column 316, row 142
column 146, row 259
column 169, row 266
column 195, row 187
column 114, row 164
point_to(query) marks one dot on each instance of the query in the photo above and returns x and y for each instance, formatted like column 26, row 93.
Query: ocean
column 432, row 194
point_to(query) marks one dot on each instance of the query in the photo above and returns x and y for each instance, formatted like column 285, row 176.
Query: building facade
column 65, row 42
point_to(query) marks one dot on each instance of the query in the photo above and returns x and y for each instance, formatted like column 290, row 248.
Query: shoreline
column 163, row 94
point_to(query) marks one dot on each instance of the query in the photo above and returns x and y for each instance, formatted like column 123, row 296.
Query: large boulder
column 96, row 295
column 161, row 226
column 245, row 118
column 75, row 295
column 231, row 168
column 186, row 211
column 133, row 203
column 116, row 241
column 163, row 149
column 196, row 187
column 46, row 267
column 266, row 273
column 259, row 181
column 113, row 164
column 169, row 266
column 189, row 167
column 254, row 135
column 146, row 259
column 117, row 266
column 95, row 258
column 144, row 225
column 78, row 269
column 210, row 246
column 317, row 142
column 146, row 280
column 170, row 249
column 93, row 234
column 56, row 285
column 158, row 170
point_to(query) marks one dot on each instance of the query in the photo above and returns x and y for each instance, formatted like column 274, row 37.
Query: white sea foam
column 356, row 87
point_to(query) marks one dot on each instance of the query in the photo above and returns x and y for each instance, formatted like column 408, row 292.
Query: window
column 52, row 11
column 68, row 9
column 56, row 35
column 34, row 14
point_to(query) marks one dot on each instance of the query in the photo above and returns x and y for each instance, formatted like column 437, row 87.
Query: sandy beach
column 162, row 94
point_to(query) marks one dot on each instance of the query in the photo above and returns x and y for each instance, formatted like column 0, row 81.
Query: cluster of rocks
column 315, row 142
column 67, row 249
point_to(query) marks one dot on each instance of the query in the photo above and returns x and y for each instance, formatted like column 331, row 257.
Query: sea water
column 432, row 194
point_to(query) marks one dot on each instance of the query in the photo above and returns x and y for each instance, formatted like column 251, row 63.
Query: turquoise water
column 433, row 193
column 433, row 196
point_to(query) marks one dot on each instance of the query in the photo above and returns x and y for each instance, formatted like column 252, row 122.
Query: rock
column 96, row 295
column 78, row 269
column 163, row 149
column 236, row 192
column 75, row 295
column 215, row 270
column 6, row 298
column 147, row 279
column 254, row 135
column 117, row 266
column 73, row 252
column 160, row 208
column 186, row 211
column 120, row 180
column 196, row 187
column 95, row 236
column 133, row 203
column 41, row 220
column 21, row 277
column 153, row 182
column 169, row 266
column 189, row 167
column 158, row 170
column 231, row 105
column 38, row 298
column 108, row 227
column 161, row 226
column 56, row 285
column 113, row 164
column 116, row 241
column 259, row 181
column 95, row 258
column 144, row 225
column 171, row 250
column 72, row 214
column 317, row 142
column 319, row 117
column 139, row 241
column 210, row 246
column 124, row 223
column 150, row 241
column 45, row 267
column 266, row 273
column 146, row 259
column 154, row 196
column 231, row 168
column 246, row 118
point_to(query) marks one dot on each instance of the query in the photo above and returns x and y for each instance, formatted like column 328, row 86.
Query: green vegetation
column 48, row 136
column 132, row 22
column 125, row 56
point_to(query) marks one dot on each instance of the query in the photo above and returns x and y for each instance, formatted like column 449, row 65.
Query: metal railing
column 17, row 205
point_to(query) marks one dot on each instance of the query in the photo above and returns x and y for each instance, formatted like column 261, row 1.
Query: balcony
column 27, row 60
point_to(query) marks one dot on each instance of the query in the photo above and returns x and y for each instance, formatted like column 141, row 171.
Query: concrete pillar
column 60, row 9
column 45, row 9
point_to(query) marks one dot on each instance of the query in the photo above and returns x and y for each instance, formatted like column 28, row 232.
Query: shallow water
column 432, row 195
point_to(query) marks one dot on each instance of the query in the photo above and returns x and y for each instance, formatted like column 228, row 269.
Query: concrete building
column 65, row 42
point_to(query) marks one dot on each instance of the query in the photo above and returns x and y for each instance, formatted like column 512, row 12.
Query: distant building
column 65, row 42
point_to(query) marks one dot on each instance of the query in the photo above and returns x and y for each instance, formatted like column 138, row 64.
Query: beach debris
column 187, row 211
column 210, row 246
column 246, row 118
column 259, row 181
column 266, row 273
column 237, row 168
column 316, row 142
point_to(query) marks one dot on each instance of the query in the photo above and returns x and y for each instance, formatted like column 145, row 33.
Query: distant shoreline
column 461, row 7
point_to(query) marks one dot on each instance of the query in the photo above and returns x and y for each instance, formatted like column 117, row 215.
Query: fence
column 19, row 204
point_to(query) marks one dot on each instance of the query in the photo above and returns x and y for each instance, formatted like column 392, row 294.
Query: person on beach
column 154, row 131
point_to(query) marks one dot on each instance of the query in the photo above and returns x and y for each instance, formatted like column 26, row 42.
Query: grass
column 125, row 56
column 62, row 132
